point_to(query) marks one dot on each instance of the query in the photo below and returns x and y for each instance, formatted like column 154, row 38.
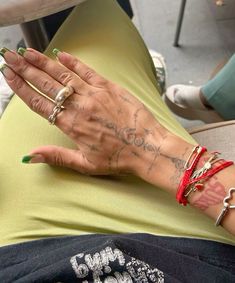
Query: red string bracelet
column 212, row 172
column 197, row 182
column 197, row 151
column 186, row 179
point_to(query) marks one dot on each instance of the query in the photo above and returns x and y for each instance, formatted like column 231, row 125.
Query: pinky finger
column 36, row 102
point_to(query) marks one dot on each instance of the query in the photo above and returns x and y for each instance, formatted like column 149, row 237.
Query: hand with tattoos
column 114, row 132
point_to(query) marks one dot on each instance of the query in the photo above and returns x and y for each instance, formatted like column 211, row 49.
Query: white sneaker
column 160, row 66
column 186, row 96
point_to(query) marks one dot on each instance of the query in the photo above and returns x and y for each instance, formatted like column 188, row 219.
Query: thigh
column 39, row 201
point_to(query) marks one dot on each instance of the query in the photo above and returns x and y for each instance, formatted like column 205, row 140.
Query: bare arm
column 168, row 172
column 113, row 131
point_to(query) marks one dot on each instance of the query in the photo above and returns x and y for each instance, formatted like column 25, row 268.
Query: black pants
column 118, row 258
column 53, row 22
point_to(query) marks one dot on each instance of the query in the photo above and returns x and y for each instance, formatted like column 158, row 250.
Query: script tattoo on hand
column 129, row 136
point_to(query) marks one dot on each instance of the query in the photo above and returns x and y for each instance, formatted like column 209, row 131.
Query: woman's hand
column 113, row 131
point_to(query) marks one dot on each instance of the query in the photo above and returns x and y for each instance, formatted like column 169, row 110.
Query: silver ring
column 60, row 98
column 56, row 110
column 62, row 95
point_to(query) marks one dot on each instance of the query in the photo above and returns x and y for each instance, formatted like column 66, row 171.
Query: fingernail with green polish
column 55, row 51
column 34, row 158
column 3, row 50
column 2, row 67
column 26, row 159
column 21, row 51
column 7, row 72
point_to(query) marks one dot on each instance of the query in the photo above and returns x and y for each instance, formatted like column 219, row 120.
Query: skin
column 126, row 140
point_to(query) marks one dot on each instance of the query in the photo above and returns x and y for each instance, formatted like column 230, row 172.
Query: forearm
column 210, row 200
column 168, row 170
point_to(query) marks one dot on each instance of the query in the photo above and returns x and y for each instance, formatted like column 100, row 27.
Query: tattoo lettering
column 129, row 137
column 126, row 135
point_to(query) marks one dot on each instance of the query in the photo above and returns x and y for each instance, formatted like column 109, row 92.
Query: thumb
column 56, row 155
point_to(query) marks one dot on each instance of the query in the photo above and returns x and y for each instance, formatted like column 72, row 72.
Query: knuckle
column 74, row 63
column 58, row 160
column 101, row 82
column 89, row 74
column 47, row 86
column 37, row 104
column 22, row 67
column 18, row 83
column 90, row 108
column 41, row 62
column 65, row 77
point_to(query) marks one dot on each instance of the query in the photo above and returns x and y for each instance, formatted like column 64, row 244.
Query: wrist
column 165, row 168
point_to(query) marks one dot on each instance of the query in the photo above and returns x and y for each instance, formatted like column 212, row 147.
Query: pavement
column 207, row 38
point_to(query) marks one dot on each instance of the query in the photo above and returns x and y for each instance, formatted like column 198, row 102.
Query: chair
column 33, row 16
column 216, row 136
column 179, row 22
column 29, row 14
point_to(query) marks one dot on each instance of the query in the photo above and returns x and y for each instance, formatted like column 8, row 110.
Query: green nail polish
column 2, row 67
column 27, row 158
column 34, row 158
column 21, row 51
column 3, row 50
column 55, row 51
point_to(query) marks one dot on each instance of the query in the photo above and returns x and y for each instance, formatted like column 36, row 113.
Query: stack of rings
column 60, row 98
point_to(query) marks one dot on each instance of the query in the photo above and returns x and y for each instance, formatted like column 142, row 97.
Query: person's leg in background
column 218, row 93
